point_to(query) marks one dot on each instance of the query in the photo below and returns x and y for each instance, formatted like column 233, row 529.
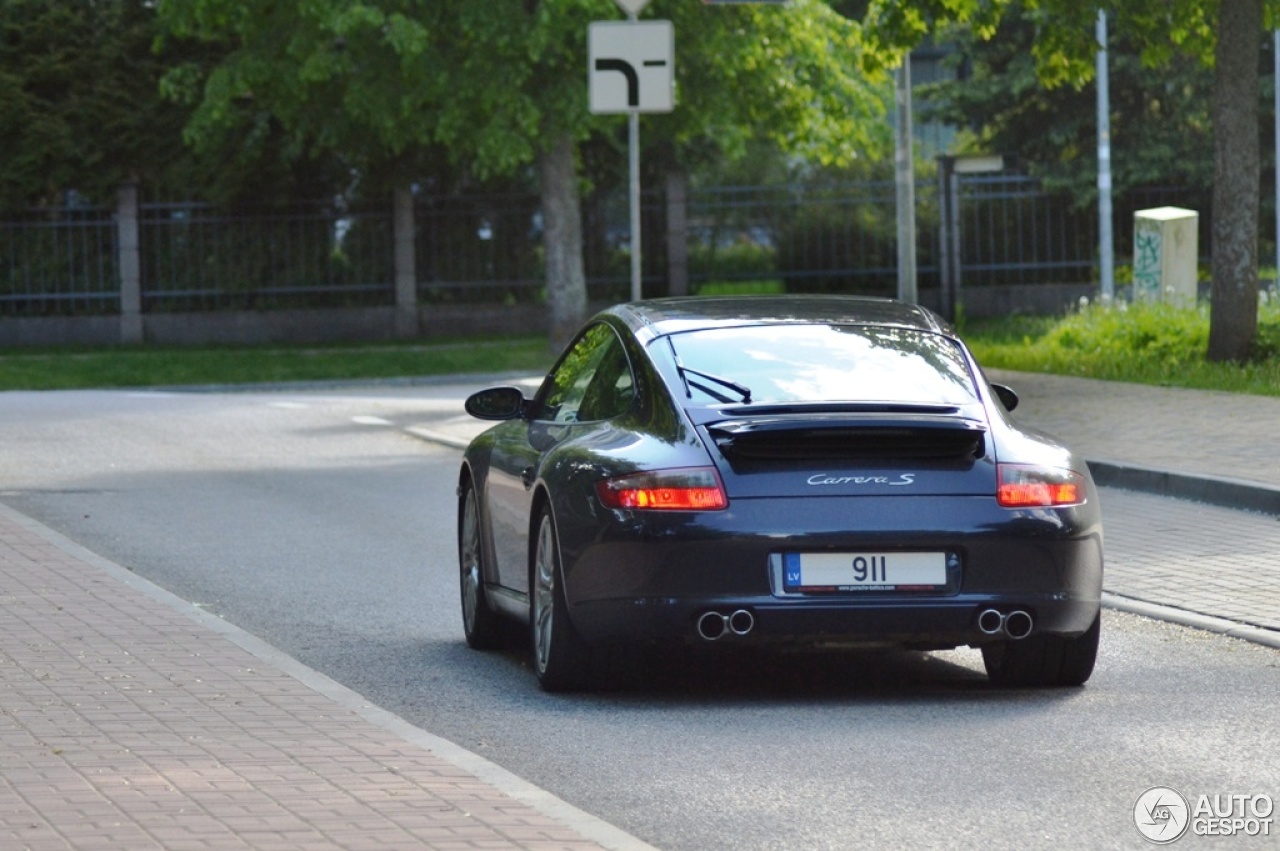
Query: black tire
column 561, row 659
column 1079, row 655
column 1044, row 660
column 480, row 624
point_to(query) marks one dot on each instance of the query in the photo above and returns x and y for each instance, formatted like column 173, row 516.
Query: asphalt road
column 312, row 521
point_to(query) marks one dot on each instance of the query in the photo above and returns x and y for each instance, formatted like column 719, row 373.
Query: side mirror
column 496, row 403
column 1007, row 397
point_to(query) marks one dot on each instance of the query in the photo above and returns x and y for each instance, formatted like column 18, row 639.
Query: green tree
column 304, row 94
column 80, row 105
column 499, row 88
column 1161, row 125
column 1221, row 34
column 82, row 109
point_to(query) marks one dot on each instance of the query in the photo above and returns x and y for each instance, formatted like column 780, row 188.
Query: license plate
column 880, row 571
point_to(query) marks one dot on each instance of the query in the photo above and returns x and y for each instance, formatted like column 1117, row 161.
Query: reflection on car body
column 792, row 470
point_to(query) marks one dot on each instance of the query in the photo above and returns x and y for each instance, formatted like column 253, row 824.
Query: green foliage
column 790, row 75
column 739, row 260
column 1163, row 133
column 1149, row 332
column 389, row 85
column 80, row 104
column 764, row 286
column 894, row 25
column 1144, row 343
column 1065, row 45
column 386, row 88
column 1163, row 31
column 349, row 85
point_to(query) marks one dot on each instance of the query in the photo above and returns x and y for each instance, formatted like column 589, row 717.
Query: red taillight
column 1024, row 486
column 685, row 489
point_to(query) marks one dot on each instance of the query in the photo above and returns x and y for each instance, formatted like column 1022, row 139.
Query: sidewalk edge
column 589, row 826
column 437, row 437
column 1213, row 490
column 1194, row 620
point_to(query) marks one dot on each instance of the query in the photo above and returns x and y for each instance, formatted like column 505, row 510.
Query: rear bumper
column 648, row 579
column 918, row 623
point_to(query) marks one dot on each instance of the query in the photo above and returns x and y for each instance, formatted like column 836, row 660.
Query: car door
column 591, row 382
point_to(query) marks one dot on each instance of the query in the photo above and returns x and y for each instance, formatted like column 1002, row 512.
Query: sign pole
column 631, row 69
column 905, row 181
column 633, row 169
column 633, row 144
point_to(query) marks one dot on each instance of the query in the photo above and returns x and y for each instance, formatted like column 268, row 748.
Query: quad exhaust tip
column 714, row 625
column 1016, row 624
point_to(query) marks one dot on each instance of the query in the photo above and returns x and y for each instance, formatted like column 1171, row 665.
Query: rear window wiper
column 741, row 389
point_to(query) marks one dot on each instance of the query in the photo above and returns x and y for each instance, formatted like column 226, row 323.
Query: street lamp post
column 1106, row 238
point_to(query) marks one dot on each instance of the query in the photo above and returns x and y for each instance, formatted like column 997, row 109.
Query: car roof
column 659, row 317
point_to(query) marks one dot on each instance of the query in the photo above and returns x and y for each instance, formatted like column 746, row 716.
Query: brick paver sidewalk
column 1203, row 433
column 127, row 724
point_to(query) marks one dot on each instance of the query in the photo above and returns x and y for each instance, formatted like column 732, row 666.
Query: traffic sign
column 632, row 7
column 631, row 66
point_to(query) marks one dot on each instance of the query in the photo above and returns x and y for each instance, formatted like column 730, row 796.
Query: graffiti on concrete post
column 1146, row 260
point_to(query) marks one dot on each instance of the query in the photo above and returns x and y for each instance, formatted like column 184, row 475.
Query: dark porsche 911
column 812, row 470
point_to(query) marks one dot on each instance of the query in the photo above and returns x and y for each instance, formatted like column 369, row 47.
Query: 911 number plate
column 872, row 571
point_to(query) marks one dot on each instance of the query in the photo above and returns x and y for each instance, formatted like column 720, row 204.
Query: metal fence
column 198, row 257
column 59, row 261
column 1012, row 233
column 833, row 238
column 487, row 249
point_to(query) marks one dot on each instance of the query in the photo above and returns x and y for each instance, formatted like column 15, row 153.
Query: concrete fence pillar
column 407, row 325
column 1166, row 255
column 677, row 233
column 129, row 264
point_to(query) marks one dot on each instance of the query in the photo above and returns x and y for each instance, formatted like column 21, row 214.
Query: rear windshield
column 823, row 363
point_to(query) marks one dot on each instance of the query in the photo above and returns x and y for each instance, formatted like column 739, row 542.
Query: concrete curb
column 1212, row 490
column 437, row 437
column 1195, row 620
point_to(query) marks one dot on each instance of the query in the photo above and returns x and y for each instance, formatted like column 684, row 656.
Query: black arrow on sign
column 633, row 79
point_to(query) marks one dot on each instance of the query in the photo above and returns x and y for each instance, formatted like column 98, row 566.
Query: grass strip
column 65, row 369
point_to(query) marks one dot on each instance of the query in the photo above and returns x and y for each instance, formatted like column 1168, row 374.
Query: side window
column 592, row 382
column 611, row 389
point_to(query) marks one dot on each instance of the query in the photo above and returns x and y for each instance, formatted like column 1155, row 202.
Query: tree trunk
column 1236, row 190
column 562, row 238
